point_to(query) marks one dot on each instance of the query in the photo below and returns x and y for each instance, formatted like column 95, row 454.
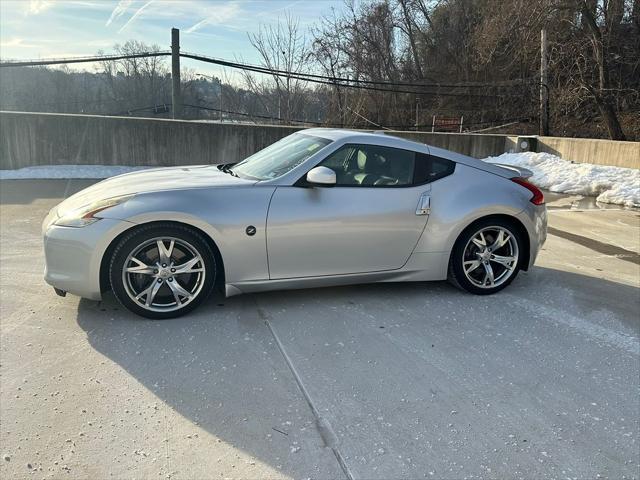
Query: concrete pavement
column 373, row 381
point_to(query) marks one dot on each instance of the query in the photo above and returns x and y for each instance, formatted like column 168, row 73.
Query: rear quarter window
column 429, row 168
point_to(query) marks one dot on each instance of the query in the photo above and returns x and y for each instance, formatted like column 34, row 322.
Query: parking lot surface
column 371, row 381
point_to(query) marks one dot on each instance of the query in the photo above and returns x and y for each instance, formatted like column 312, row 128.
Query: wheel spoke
column 471, row 265
column 164, row 253
column 488, row 276
column 153, row 293
column 189, row 266
column 500, row 241
column 480, row 241
column 140, row 267
column 150, row 293
column 178, row 291
column 508, row 262
column 145, row 291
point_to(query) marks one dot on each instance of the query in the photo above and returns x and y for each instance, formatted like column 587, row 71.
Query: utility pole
column 544, row 85
column 220, row 102
column 416, row 125
column 176, row 97
column 346, row 103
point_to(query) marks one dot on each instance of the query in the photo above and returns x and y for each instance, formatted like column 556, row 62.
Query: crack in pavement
column 325, row 430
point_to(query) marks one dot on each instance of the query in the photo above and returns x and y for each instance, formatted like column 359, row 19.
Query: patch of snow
column 67, row 171
column 609, row 184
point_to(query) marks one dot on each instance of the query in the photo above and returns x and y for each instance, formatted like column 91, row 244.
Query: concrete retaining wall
column 28, row 139
column 589, row 150
column 471, row 144
column 51, row 139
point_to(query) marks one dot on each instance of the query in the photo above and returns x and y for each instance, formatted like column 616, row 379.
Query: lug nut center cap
column 164, row 273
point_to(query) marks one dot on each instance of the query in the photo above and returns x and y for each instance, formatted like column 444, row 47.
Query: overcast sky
column 61, row 28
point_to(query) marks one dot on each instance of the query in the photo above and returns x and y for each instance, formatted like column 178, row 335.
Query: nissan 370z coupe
column 319, row 207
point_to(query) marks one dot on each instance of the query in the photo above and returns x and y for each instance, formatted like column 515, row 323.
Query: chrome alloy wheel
column 163, row 274
column 490, row 257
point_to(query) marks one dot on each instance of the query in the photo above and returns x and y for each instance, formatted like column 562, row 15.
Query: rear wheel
column 162, row 271
column 486, row 257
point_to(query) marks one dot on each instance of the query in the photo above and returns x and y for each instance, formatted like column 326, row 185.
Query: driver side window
column 371, row 166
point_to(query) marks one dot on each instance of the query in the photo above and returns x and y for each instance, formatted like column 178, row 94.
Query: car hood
column 153, row 180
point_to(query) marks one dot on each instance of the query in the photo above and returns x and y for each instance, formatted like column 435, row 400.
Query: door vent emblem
column 251, row 230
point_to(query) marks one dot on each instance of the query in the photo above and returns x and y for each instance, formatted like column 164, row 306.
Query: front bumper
column 73, row 255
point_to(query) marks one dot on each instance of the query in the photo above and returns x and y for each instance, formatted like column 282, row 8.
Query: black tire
column 457, row 275
column 187, row 242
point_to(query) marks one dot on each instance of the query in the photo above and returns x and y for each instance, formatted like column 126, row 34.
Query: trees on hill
column 493, row 47
column 411, row 59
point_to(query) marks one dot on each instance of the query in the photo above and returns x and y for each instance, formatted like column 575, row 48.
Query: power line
column 330, row 80
column 158, row 108
column 340, row 125
column 501, row 126
column 56, row 104
column 357, row 84
column 366, row 119
column 333, row 80
column 266, row 117
column 165, row 108
column 89, row 59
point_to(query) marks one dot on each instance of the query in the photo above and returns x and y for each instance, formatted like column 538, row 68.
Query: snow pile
column 67, row 171
column 609, row 184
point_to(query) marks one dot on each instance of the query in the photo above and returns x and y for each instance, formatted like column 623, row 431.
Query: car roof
column 337, row 133
column 374, row 137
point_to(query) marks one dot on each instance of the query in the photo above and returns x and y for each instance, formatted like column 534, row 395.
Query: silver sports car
column 319, row 207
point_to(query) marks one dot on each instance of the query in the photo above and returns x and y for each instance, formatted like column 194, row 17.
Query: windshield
column 280, row 158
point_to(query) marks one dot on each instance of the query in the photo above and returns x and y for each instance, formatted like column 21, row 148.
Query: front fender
column 221, row 213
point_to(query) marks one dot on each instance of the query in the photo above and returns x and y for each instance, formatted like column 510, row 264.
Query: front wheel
column 486, row 256
column 162, row 270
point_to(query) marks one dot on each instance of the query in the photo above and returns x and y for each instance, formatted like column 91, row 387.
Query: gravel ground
column 379, row 381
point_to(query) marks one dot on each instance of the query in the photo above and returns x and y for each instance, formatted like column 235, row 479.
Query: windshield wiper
column 226, row 168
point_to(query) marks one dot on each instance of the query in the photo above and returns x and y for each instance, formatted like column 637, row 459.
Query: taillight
column 538, row 197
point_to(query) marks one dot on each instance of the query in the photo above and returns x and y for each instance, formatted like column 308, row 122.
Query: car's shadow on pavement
column 220, row 366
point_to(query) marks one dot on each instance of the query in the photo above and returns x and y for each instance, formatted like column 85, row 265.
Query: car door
column 370, row 221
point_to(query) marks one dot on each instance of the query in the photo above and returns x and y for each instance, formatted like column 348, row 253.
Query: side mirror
column 322, row 177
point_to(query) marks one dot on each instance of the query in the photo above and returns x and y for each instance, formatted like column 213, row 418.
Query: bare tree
column 598, row 55
column 281, row 47
column 332, row 60
column 493, row 46
column 136, row 82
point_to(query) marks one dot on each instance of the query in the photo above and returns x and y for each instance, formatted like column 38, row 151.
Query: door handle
column 424, row 205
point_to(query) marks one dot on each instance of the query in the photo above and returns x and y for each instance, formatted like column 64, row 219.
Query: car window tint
column 371, row 166
column 429, row 168
column 337, row 160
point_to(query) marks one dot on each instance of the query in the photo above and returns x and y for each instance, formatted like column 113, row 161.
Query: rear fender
column 462, row 198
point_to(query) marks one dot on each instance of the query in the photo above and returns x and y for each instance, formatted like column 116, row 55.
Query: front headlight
column 83, row 216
